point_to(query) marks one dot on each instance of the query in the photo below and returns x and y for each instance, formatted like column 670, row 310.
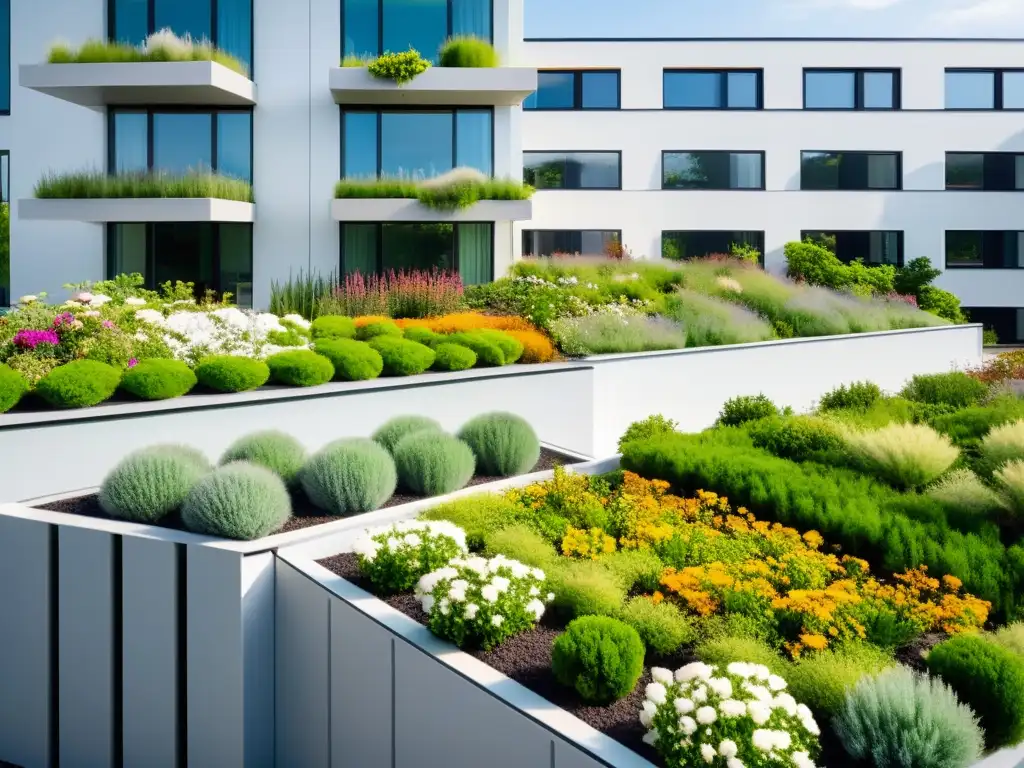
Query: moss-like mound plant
column 858, row 396
column 282, row 454
column 158, row 380
column 348, row 477
column 662, row 626
column 352, row 360
column 453, row 357
column 402, row 357
column 229, row 373
column 725, row 649
column 478, row 515
column 238, row 501
column 393, row 431
column 511, row 347
column 522, row 543
column 906, row 456
column 433, row 463
column 79, row 384
column 423, row 336
column 585, row 588
column 504, row 444
column 955, row 389
column 379, row 328
column 487, row 351
column 333, row 327
column 401, row 67
column 468, row 51
column 147, row 485
column 601, row 657
column 821, row 680
column 300, row 368
column 740, row 410
column 12, row 388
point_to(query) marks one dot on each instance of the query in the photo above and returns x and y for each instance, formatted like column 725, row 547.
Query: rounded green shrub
column 725, row 649
column 401, row 356
column 433, row 463
column 635, row 568
column 522, row 543
column 238, row 501
column 352, row 360
column 393, row 431
column 12, row 387
column 1011, row 637
column 488, row 353
column 453, row 357
column 333, row 327
column 585, row 588
column 662, row 627
column 989, row 679
column 601, row 657
column 282, row 454
column 740, row 410
column 511, row 348
column 504, row 444
column 648, row 429
column 300, row 368
column 858, row 396
column 799, row 438
column 468, row 51
column 79, row 384
column 902, row 719
column 423, row 336
column 158, row 379
column 229, row 373
column 348, row 477
column 478, row 515
column 379, row 328
column 147, row 485
column 955, row 389
column 821, row 680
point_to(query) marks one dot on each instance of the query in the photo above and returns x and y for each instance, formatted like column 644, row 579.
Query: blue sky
column 779, row 18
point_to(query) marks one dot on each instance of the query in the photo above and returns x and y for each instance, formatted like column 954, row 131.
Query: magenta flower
column 108, row 324
column 65, row 318
column 27, row 339
column 133, row 362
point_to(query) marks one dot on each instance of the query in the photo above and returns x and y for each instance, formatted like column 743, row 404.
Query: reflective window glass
column 131, row 142
column 471, row 17
column 965, row 170
column 5, row 56
column 693, row 89
column 970, row 90
column 555, row 90
column 870, row 246
column 571, row 170
column 184, row 17
column 743, row 90
column 182, row 141
column 360, row 145
column 130, row 21
column 429, row 154
column 879, row 90
column 361, row 28
column 419, row 24
column 588, row 242
column 850, row 170
column 234, row 144
column 417, row 246
column 236, row 262
column 830, row 90
column 695, row 244
column 712, row 170
column 600, row 90
column 234, row 28
column 1013, row 90
column 474, row 140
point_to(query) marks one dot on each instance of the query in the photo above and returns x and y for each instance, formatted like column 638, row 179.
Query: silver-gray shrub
column 433, row 464
column 393, row 431
column 504, row 444
column 812, row 311
column 711, row 322
column 281, row 453
column 607, row 333
column 149, row 484
column 237, row 501
column 348, row 477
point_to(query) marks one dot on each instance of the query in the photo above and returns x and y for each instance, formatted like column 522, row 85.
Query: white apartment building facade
column 896, row 148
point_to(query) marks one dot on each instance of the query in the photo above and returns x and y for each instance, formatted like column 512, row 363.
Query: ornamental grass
column 403, row 294
column 454, row 190
column 160, row 46
column 94, row 184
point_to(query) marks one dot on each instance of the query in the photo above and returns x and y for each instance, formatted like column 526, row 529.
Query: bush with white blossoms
column 482, row 602
column 737, row 717
column 394, row 557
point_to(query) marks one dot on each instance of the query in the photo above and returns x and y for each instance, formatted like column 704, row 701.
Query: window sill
column 438, row 86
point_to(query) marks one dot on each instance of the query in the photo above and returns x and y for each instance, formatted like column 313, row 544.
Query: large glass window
column 181, row 140
column 572, row 170
column 850, row 170
column 985, row 89
column 1007, row 322
column 586, row 89
column 5, row 57
column 226, row 23
column 999, row 171
column 588, row 242
column 378, row 248
column 851, row 89
column 684, row 245
column 712, row 89
column 416, row 144
column 373, row 27
column 870, row 246
column 984, row 249
column 712, row 170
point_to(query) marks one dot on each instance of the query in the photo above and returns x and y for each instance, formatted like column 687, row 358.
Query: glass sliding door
column 419, row 24
column 476, row 253
column 235, row 262
column 417, row 246
column 372, row 27
column 381, row 248
column 359, row 246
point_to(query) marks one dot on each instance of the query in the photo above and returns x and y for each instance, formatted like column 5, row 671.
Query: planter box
column 448, row 86
column 188, row 83
column 140, row 209
column 404, row 209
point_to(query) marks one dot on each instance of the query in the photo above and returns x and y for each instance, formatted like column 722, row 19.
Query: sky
column 775, row 18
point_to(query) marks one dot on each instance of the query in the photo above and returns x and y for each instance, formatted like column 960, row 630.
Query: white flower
column 684, row 706
column 98, row 300
column 740, row 669
column 82, row 297
column 721, row 686
column 706, row 715
column 28, row 299
column 551, row 596
column 802, row 760
column 776, row 683
column 538, row 574
column 150, row 316
column 811, row 726
column 656, row 692
column 427, row 602
column 651, row 737
column 803, row 711
column 489, row 593
column 700, row 694
column 661, row 675
column 497, row 619
column 298, row 320
column 728, row 748
column 534, row 592
column 708, row 753
column 783, row 740
column 456, row 595
column 697, row 670
column 135, row 301
column 500, row 583
column 763, row 739
column 687, row 725
column 786, row 703
column 471, row 611
column 442, row 606
column 761, row 672
column 732, row 708
column 759, row 712
column 536, row 607
column 647, row 712
column 412, row 540
column 759, row 692
column 734, row 762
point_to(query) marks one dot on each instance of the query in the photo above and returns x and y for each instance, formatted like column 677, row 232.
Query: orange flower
column 468, row 321
column 537, row 348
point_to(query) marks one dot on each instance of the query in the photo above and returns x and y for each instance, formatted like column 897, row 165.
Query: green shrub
column 402, row 357
column 487, row 351
column 901, row 719
column 858, row 396
column 478, row 515
column 401, row 67
column 740, row 410
column 511, row 348
column 467, row 51
column 822, row 679
column 423, row 336
column 967, row 426
column 238, row 501
column 635, row 568
column 662, row 626
column 962, row 492
column 1003, row 444
column 600, row 657
column 352, row 360
column 228, row 373
column 300, row 368
column 158, row 380
column 610, row 334
column 349, row 477
column 1011, row 637
column 504, row 444
column 989, row 679
column 453, row 357
column 940, row 303
column 652, row 426
column 333, row 327
column 280, row 453
column 799, row 438
column 147, row 485
column 724, row 650
column 585, row 588
column 1010, row 480
column 79, row 384
column 12, row 387
column 904, row 455
column 379, row 328
column 393, row 431
column 956, row 389
column 433, row 463
column 522, row 543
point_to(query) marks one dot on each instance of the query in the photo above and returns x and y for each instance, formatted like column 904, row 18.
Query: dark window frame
column 858, row 88
column 525, row 232
column 764, row 163
column 723, row 88
column 760, row 232
column 10, row 69
column 577, row 90
column 380, row 26
column 985, row 158
column 986, row 235
column 617, row 187
column 901, row 255
column 379, row 242
column 899, row 173
column 997, row 84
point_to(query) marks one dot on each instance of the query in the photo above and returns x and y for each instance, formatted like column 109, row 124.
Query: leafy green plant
column 478, row 515
column 371, row 331
column 453, row 357
column 966, row 427
column 333, row 327
column 300, row 368
column 158, row 380
column 149, row 484
column 487, row 351
column 237, row 501
column 821, row 680
column 511, row 348
column 662, row 626
column 955, row 389
column 600, row 657
column 352, row 360
column 520, row 542
column 1011, row 637
column 906, row 456
column 162, row 45
column 301, row 293
column 457, row 189
column 799, row 438
column 504, row 444
column 393, row 431
column 817, row 265
column 740, row 410
column 727, row 649
column 93, row 184
column 79, row 384
column 941, row 303
column 349, row 477
column 858, row 396
column 652, row 426
column 433, row 463
column 585, row 588
column 394, row 557
column 609, row 334
column 402, row 357
column 468, row 51
column 401, row 67
column 230, row 373
column 12, row 387
column 281, row 453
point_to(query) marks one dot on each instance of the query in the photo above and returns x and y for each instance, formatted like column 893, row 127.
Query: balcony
column 127, row 210
column 448, row 86
column 409, row 210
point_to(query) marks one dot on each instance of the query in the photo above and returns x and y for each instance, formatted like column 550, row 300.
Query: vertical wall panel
column 567, row 756
column 258, row 644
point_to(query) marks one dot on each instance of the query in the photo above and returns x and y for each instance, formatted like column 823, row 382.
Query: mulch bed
column 304, row 513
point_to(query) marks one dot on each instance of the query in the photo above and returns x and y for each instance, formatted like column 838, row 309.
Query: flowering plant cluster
column 737, row 717
column 482, row 602
column 412, row 293
column 396, row 556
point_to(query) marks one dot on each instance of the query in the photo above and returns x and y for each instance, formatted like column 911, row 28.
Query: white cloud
column 982, row 12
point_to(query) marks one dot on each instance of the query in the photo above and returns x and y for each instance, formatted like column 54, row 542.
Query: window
column 379, row 248
column 573, row 170
column 589, row 242
column 1007, row 322
column 851, row 89
column 711, row 89
column 712, row 170
column 697, row 244
column 371, row 27
column 850, row 170
column 587, row 89
column 5, row 57
column 870, row 246
column 984, row 249
column 5, row 217
column 999, row 171
column 178, row 140
column 984, row 89
column 215, row 257
column 227, row 23
column 415, row 143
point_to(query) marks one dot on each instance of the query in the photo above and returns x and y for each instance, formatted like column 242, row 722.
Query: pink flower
column 133, row 362
column 26, row 339
column 108, row 324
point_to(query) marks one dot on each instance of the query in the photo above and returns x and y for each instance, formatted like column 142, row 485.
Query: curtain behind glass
column 744, row 170
column 476, row 261
column 184, row 17
column 472, row 17
column 236, row 262
column 128, row 254
column 131, row 21
column 417, row 246
column 131, row 143
column 474, row 139
column 359, row 246
column 234, row 29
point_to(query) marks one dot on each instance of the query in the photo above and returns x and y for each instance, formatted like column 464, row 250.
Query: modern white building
column 897, row 148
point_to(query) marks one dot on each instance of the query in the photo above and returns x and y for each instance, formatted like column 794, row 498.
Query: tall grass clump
column 906, row 456
column 608, row 333
column 1003, row 444
column 468, row 51
column 454, row 190
column 1010, row 480
column 963, row 492
column 163, row 45
column 711, row 322
column 404, row 294
column 94, row 184
column 301, row 294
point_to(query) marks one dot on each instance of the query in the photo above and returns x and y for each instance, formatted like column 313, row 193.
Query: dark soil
column 304, row 513
column 913, row 654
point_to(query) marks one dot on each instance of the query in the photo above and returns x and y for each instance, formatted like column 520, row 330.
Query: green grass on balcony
column 457, row 189
column 160, row 46
column 92, row 184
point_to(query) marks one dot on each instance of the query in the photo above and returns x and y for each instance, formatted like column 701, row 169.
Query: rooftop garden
column 455, row 190
column 404, row 66
column 94, row 184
